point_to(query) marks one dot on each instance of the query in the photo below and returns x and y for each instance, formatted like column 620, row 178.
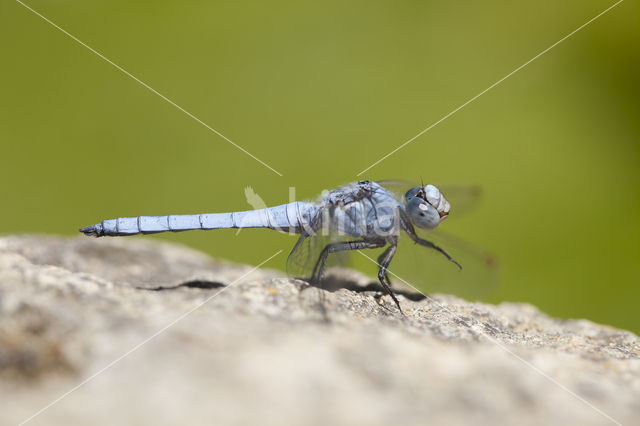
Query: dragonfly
column 360, row 215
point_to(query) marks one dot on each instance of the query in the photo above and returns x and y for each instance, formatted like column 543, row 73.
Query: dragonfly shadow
column 201, row 284
column 334, row 283
column 330, row 283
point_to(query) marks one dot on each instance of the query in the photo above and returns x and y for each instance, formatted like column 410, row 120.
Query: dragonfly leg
column 408, row 228
column 380, row 260
column 383, row 261
column 429, row 244
column 341, row 246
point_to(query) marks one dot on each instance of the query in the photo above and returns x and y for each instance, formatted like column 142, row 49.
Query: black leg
column 380, row 260
column 408, row 228
column 342, row 246
column 383, row 261
column 429, row 244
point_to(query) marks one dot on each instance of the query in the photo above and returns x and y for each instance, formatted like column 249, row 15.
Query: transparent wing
column 424, row 268
column 430, row 272
column 463, row 198
column 305, row 254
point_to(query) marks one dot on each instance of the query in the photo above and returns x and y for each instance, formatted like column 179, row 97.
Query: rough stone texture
column 264, row 349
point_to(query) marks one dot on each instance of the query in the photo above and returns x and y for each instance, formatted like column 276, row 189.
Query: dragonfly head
column 426, row 206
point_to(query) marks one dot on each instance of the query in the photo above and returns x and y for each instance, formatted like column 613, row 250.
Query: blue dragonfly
column 357, row 216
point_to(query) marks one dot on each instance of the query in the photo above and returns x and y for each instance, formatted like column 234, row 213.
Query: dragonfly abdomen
column 286, row 217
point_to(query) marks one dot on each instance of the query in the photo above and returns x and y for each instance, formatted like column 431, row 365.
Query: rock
column 137, row 332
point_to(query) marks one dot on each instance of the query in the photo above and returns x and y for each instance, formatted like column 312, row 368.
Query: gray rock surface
column 189, row 340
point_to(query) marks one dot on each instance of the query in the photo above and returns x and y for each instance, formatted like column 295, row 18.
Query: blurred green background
column 319, row 91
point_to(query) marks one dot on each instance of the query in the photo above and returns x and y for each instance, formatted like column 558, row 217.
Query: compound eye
column 422, row 214
column 411, row 193
column 432, row 194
